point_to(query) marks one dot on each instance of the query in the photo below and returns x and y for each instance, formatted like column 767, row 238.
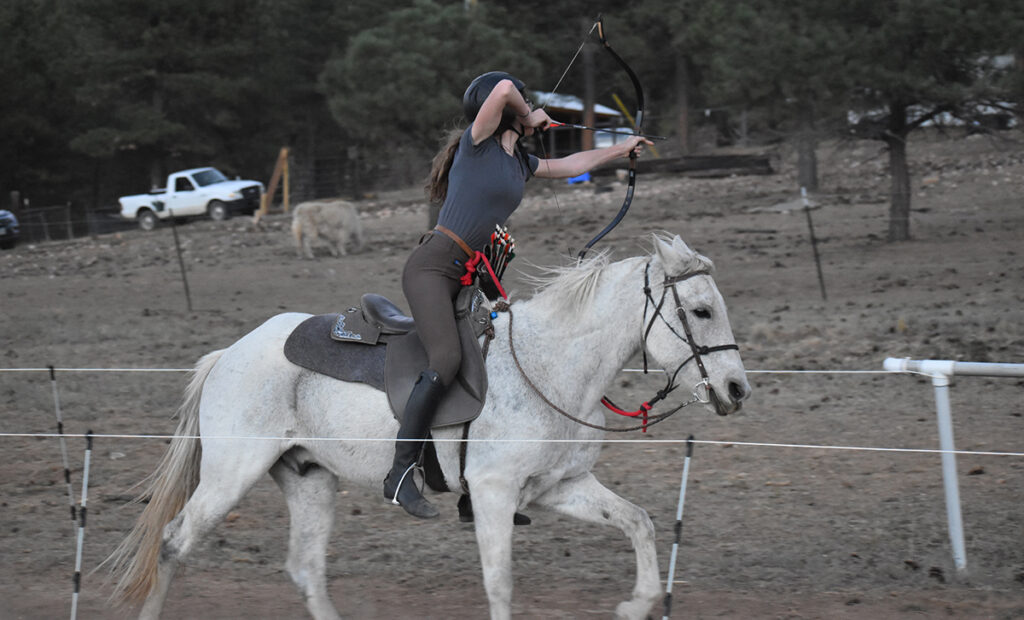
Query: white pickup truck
column 199, row 191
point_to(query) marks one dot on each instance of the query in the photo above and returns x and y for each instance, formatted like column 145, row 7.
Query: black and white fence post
column 679, row 528
column 81, row 527
column 60, row 440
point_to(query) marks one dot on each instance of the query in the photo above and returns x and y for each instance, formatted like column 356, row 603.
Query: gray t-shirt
column 485, row 185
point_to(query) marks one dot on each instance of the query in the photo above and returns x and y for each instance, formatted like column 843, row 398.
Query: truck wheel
column 218, row 210
column 147, row 219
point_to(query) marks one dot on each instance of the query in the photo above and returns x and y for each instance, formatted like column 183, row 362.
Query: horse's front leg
column 587, row 499
column 494, row 504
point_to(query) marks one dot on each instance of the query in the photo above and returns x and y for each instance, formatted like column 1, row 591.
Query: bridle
column 697, row 351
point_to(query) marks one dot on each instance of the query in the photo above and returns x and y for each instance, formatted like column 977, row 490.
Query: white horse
column 570, row 340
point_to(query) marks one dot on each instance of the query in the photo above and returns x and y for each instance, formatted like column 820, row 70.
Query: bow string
column 637, row 128
column 638, row 120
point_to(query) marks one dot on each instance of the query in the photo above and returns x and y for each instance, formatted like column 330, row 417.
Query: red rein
column 642, row 411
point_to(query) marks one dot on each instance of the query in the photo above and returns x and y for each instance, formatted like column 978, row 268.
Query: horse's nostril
column 737, row 391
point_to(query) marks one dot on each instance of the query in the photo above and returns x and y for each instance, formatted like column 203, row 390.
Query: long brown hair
column 437, row 184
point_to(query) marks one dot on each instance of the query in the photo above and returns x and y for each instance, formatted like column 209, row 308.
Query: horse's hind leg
column 587, row 499
column 223, row 479
column 310, row 498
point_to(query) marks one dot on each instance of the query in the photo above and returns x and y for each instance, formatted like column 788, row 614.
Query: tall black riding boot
column 400, row 484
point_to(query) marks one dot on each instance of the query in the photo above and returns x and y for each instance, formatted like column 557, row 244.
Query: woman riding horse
column 479, row 176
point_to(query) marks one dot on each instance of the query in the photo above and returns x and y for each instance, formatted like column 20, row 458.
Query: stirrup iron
column 410, row 469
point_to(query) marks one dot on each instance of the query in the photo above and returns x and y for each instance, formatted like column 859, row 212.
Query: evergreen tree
column 165, row 81
column 783, row 61
column 398, row 85
column 36, row 89
column 910, row 62
column 292, row 40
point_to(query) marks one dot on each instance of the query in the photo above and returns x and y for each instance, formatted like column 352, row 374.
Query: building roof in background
column 572, row 103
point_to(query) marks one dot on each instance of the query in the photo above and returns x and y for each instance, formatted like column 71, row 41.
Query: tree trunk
column 157, row 176
column 683, row 105
column 899, row 206
column 807, row 163
column 807, row 156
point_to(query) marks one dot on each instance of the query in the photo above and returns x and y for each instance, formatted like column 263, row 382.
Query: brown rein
column 647, row 422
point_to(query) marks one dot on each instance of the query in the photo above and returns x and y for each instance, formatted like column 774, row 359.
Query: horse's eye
column 702, row 313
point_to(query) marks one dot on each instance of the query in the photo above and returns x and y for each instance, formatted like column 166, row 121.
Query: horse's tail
column 134, row 562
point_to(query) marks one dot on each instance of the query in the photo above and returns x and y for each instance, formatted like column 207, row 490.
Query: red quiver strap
column 642, row 411
column 489, row 282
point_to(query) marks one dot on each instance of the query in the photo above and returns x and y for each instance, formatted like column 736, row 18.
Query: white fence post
column 940, row 371
column 944, row 414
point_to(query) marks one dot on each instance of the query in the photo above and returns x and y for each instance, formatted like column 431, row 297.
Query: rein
column 647, row 422
column 645, row 408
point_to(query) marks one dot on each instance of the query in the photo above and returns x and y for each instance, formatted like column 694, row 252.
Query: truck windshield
column 209, row 177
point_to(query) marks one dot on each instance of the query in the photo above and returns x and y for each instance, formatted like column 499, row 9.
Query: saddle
column 376, row 343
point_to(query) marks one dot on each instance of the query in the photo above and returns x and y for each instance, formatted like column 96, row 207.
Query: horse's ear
column 674, row 253
column 680, row 246
column 664, row 250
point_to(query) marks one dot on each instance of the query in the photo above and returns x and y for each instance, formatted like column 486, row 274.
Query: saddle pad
column 311, row 347
column 392, row 366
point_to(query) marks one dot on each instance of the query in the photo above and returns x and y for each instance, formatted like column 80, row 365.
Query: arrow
column 621, row 133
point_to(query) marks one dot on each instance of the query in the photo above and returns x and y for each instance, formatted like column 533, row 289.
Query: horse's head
column 686, row 326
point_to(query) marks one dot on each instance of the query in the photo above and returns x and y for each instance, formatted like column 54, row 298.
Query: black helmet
column 481, row 87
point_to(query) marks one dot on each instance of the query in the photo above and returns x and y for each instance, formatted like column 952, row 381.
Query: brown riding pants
column 430, row 282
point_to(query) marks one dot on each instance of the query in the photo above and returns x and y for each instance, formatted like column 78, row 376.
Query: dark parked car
column 9, row 231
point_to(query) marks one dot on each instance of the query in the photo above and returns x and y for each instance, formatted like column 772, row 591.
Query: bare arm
column 488, row 118
column 578, row 163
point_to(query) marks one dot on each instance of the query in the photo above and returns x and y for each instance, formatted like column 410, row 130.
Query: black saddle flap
column 407, row 358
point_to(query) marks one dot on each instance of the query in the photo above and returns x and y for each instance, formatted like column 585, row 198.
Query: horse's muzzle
column 738, row 392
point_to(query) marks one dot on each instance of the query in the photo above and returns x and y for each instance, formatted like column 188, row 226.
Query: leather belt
column 458, row 240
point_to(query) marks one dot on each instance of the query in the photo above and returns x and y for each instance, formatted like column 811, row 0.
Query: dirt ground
column 768, row 532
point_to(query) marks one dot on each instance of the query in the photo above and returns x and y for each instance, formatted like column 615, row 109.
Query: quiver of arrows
column 501, row 250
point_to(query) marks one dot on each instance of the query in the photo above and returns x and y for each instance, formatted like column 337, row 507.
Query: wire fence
column 907, row 367
column 646, row 442
column 61, row 223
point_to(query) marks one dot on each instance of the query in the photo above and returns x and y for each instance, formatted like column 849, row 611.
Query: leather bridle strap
column 696, row 350
column 669, row 281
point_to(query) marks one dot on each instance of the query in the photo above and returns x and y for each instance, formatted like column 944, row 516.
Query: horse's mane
column 573, row 286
